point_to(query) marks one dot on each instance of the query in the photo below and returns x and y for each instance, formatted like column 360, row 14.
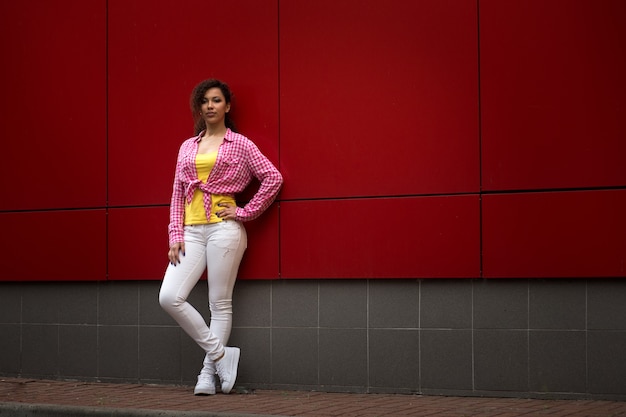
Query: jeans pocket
column 229, row 235
column 193, row 234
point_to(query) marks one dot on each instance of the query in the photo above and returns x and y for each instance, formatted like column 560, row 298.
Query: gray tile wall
column 534, row 338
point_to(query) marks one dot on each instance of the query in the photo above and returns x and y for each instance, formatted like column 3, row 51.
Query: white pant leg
column 177, row 284
column 225, row 247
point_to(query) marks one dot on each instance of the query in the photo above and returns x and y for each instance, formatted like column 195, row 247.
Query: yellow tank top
column 194, row 211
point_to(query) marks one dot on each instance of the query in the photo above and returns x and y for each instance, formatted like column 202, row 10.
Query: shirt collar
column 228, row 136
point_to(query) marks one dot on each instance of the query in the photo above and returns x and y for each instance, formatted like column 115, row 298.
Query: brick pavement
column 178, row 400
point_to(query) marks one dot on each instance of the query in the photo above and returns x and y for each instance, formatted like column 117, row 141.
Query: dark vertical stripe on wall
column 480, row 150
column 278, row 139
column 106, row 136
column 480, row 189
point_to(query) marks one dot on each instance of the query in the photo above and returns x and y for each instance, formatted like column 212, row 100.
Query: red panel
column 53, row 104
column 261, row 258
column 566, row 234
column 138, row 244
column 552, row 93
column 53, row 246
column 158, row 51
column 381, row 238
column 378, row 98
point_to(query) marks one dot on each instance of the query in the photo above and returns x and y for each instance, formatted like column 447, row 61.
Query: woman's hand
column 228, row 211
column 175, row 252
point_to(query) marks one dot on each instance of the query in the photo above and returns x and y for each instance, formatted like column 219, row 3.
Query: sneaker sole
column 203, row 392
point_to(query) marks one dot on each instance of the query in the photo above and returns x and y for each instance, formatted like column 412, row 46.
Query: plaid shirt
column 237, row 162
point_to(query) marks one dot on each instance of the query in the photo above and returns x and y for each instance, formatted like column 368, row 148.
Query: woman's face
column 213, row 107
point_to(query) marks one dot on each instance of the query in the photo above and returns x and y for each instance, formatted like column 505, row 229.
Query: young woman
column 206, row 231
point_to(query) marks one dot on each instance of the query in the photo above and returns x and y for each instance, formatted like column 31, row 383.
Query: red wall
column 553, row 130
column 417, row 139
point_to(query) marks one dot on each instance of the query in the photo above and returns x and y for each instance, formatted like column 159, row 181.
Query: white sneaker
column 227, row 368
column 205, row 385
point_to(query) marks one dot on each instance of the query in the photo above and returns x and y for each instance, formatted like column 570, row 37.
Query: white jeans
column 218, row 248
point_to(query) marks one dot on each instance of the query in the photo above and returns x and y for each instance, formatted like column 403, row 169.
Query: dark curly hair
column 197, row 96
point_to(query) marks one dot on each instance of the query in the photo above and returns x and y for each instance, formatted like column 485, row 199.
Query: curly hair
column 197, row 96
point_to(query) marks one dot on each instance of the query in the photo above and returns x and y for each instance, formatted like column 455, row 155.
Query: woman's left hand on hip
column 228, row 211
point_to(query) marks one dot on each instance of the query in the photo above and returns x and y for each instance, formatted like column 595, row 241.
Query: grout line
column 318, row 335
column 271, row 301
column 367, row 336
column 587, row 335
column 528, row 335
column 472, row 333
column 98, row 351
column 419, row 335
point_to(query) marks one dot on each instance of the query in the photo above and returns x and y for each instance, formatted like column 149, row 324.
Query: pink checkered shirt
column 237, row 162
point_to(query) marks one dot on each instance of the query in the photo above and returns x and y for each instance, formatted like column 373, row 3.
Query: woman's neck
column 219, row 130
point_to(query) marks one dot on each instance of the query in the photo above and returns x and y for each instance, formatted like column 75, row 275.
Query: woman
column 206, row 231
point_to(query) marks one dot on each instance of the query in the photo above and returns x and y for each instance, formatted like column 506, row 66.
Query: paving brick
column 291, row 403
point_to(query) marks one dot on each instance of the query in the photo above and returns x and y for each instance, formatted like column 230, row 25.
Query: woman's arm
column 177, row 207
column 271, row 181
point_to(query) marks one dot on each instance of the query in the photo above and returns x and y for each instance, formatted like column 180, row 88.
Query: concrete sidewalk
column 43, row 398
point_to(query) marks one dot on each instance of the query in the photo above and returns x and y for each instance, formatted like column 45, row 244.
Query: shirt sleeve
column 177, row 206
column 271, row 181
